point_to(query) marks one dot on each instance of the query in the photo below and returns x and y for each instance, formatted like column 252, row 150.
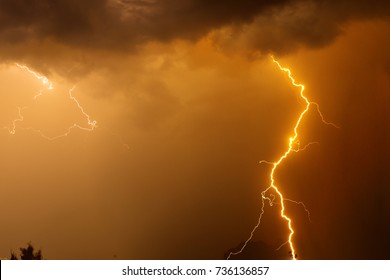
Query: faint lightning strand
column 92, row 124
column 272, row 202
column 253, row 230
column 12, row 129
column 68, row 131
column 293, row 142
column 302, row 204
column 280, row 247
column 45, row 81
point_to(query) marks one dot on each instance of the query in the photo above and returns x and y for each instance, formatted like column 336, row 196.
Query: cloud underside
column 278, row 26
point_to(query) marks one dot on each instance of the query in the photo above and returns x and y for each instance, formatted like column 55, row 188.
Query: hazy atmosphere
column 134, row 129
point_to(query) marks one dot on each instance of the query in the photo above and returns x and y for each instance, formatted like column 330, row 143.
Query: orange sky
column 172, row 170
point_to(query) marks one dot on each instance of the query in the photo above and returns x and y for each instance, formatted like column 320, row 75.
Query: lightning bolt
column 44, row 79
column 48, row 85
column 293, row 146
column 12, row 130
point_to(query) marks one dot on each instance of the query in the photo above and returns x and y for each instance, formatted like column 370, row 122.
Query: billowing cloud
column 310, row 24
column 120, row 24
column 276, row 26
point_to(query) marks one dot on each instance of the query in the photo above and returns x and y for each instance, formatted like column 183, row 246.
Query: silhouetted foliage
column 27, row 253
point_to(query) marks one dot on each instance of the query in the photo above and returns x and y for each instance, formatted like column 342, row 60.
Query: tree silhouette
column 27, row 254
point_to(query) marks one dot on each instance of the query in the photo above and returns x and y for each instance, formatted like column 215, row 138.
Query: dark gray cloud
column 61, row 35
column 120, row 23
column 310, row 24
column 40, row 30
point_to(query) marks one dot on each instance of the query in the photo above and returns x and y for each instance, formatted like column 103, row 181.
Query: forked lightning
column 48, row 85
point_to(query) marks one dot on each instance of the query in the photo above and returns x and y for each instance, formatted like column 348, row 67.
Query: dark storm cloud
column 61, row 35
column 26, row 20
column 317, row 23
column 120, row 23
column 277, row 26
column 311, row 24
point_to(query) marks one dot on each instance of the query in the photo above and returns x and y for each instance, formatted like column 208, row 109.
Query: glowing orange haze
column 197, row 121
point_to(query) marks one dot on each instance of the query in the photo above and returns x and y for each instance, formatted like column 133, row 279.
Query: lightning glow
column 293, row 146
column 44, row 79
column 48, row 85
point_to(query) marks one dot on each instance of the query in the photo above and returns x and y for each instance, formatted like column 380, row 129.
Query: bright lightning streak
column 92, row 124
column 293, row 146
column 44, row 79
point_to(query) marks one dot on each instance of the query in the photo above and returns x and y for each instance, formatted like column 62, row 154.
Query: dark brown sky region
column 187, row 103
